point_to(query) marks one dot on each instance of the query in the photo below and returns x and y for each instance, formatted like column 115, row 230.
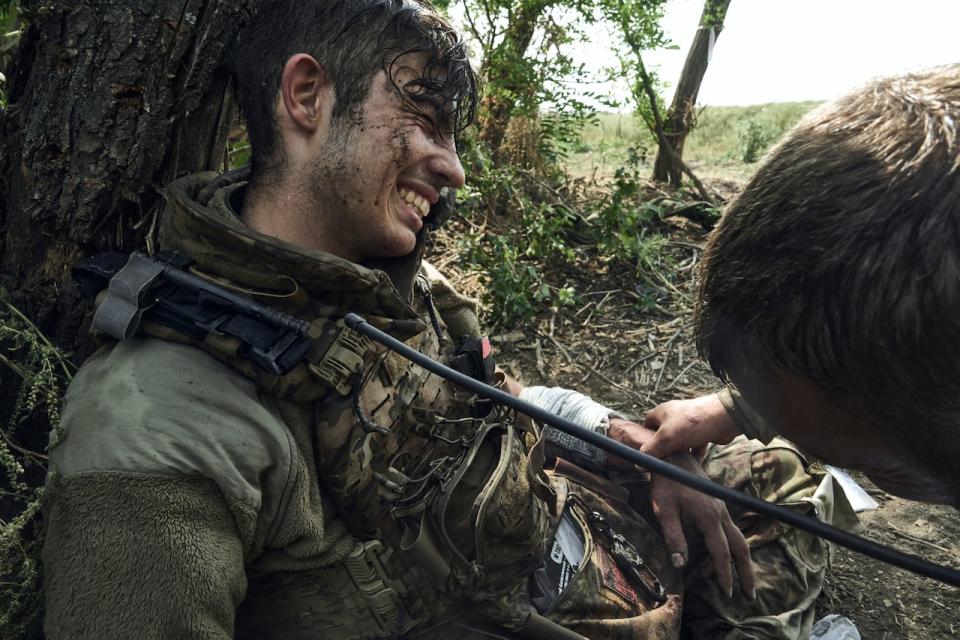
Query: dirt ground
column 628, row 343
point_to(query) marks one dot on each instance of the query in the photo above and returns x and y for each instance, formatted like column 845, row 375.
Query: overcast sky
column 785, row 50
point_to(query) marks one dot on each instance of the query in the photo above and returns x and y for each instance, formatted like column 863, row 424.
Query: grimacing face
column 802, row 413
column 382, row 168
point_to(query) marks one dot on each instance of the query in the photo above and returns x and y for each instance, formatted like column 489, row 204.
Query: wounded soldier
column 202, row 490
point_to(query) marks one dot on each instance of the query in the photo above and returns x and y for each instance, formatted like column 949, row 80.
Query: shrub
column 753, row 139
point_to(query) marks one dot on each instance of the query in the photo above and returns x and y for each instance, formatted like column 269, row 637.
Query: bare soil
column 628, row 343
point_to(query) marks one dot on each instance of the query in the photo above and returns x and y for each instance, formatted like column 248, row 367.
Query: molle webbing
column 333, row 359
column 167, row 298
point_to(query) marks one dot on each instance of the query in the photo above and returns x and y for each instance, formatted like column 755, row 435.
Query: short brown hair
column 840, row 260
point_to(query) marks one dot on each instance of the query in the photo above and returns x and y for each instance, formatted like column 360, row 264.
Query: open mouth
column 415, row 200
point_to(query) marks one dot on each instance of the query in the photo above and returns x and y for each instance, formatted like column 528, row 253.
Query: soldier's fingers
column 699, row 453
column 715, row 539
column 653, row 418
column 740, row 551
column 658, row 445
column 668, row 514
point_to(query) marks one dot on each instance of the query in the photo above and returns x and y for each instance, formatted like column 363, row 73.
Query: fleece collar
column 201, row 221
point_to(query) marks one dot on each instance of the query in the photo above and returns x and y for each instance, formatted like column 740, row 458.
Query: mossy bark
column 108, row 100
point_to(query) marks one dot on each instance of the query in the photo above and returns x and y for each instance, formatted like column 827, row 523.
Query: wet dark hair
column 353, row 40
column 839, row 262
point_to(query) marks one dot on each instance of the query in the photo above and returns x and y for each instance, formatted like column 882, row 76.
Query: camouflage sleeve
column 746, row 419
column 458, row 311
column 140, row 556
column 789, row 565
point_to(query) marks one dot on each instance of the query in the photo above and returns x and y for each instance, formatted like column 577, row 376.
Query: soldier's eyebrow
column 446, row 86
column 439, row 110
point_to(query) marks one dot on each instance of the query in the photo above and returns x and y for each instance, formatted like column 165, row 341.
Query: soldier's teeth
column 414, row 199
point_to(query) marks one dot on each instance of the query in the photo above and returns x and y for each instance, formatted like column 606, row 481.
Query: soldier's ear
column 306, row 92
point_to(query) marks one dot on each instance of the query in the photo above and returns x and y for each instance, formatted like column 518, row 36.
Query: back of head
column 840, row 261
column 353, row 40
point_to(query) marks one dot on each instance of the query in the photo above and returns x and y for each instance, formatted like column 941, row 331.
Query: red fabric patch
column 613, row 579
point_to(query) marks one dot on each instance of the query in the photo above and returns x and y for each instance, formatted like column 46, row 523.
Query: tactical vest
column 445, row 493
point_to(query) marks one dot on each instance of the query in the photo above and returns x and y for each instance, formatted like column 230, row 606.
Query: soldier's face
column 381, row 169
column 800, row 412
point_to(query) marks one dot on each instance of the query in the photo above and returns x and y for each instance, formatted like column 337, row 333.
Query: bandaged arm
column 577, row 408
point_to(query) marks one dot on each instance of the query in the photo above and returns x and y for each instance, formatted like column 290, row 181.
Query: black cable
column 843, row 538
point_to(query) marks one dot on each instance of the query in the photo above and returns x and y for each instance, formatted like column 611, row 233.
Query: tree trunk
column 679, row 118
column 108, row 100
column 504, row 73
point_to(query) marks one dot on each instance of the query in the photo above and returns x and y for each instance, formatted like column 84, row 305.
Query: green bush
column 752, row 140
column 531, row 228
column 535, row 228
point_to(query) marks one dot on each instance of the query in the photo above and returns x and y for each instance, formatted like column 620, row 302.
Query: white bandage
column 578, row 409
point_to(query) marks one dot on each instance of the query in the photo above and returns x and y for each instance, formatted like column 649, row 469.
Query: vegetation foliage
column 43, row 370
column 9, row 37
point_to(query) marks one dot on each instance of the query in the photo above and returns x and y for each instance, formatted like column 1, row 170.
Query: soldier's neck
column 288, row 212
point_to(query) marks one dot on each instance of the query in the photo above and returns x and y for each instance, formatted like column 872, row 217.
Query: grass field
column 716, row 149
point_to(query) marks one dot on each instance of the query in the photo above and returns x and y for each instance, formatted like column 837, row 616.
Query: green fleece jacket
column 174, row 474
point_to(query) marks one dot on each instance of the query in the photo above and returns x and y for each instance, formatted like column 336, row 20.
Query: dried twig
column 666, row 357
column 593, row 370
column 918, row 539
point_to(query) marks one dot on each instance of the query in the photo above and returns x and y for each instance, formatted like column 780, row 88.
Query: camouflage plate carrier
column 446, row 494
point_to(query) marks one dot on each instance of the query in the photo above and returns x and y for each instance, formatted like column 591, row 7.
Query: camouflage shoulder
column 459, row 312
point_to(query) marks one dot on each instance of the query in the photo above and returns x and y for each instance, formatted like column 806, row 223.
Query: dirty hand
column 682, row 425
column 709, row 515
column 722, row 538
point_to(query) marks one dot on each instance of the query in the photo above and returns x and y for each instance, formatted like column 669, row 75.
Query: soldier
column 199, row 492
column 830, row 297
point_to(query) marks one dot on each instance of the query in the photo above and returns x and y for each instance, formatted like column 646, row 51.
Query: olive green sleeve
column 132, row 555
column 748, row 422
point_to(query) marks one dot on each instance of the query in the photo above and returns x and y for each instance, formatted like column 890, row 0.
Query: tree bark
column 679, row 120
column 108, row 100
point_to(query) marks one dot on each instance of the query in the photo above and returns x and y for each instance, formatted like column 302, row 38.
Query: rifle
column 162, row 289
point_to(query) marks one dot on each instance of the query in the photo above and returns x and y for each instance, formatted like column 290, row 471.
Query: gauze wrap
column 578, row 409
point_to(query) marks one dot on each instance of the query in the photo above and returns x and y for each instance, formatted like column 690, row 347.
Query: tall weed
column 43, row 370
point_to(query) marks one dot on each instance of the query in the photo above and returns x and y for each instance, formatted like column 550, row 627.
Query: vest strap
column 343, row 353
